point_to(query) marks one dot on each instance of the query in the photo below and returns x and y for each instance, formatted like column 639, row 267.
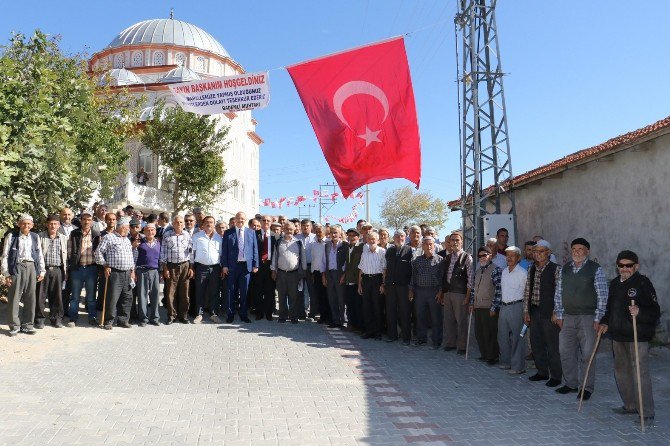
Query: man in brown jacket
column 486, row 323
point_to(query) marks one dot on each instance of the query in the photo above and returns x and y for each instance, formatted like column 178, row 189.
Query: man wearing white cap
column 115, row 254
column 23, row 267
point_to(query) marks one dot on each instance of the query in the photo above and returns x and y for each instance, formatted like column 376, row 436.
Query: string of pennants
column 280, row 202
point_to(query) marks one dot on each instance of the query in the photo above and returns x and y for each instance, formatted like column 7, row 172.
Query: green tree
column 406, row 206
column 61, row 137
column 189, row 147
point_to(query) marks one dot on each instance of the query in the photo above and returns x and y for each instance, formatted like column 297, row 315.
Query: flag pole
column 367, row 203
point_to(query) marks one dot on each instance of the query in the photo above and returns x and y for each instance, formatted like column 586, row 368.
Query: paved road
column 270, row 383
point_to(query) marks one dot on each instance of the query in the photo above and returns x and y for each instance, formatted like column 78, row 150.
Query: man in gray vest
column 579, row 304
column 455, row 296
column 538, row 307
column 481, row 299
column 23, row 267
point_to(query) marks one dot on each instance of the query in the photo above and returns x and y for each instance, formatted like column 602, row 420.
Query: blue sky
column 579, row 72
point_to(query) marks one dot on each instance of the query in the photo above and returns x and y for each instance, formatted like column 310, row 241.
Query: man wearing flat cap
column 83, row 272
column 22, row 267
column 115, row 255
column 579, row 304
column 631, row 295
column 538, row 308
column 396, row 288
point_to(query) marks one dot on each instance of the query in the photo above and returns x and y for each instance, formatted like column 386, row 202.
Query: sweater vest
column 147, row 256
column 547, row 288
column 13, row 255
column 484, row 288
column 579, row 290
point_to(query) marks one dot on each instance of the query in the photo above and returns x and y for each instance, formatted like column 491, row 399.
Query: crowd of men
column 402, row 287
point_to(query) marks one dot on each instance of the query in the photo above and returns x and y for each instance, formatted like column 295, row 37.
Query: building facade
column 143, row 59
column 615, row 195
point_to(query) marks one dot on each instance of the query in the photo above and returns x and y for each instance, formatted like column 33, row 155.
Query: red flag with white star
column 361, row 106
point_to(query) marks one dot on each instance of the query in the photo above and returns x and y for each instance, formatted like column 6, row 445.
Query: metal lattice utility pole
column 485, row 150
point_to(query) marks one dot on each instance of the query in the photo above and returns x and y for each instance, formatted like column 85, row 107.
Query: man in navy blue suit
column 239, row 258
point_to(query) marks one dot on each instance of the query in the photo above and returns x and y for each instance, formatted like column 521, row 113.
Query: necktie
column 264, row 251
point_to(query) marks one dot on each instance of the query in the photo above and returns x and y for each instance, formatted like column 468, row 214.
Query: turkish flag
column 361, row 105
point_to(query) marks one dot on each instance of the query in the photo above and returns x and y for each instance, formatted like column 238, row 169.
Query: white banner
column 223, row 94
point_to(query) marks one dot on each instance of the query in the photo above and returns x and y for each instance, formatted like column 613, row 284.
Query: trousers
column 50, row 289
column 177, row 290
column 577, row 335
column 512, row 346
column 287, row 290
column 426, row 306
column 544, row 345
column 455, row 323
column 119, row 297
column 624, row 373
column 147, row 294
column 336, row 299
column 373, row 305
column 22, row 289
column 486, row 333
column 398, row 311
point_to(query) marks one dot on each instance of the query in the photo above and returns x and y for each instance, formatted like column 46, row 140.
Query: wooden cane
column 104, row 301
column 637, row 370
column 467, row 342
column 588, row 367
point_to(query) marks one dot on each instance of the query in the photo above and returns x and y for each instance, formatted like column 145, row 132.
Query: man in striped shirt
column 174, row 261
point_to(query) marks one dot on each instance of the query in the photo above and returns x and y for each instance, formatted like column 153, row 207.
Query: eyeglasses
column 625, row 265
column 482, row 255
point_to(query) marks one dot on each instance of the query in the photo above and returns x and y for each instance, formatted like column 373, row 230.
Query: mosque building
column 143, row 59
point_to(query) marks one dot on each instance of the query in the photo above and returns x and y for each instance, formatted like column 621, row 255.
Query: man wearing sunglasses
column 579, row 304
column 629, row 286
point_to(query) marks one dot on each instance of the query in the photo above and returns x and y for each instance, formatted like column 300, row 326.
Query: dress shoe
column 565, row 390
column 281, row 321
column 123, row 324
column 460, row 352
column 648, row 421
column 538, row 377
column 366, row 335
column 229, row 319
column 170, row 321
column 391, row 339
column 13, row 332
column 197, row 319
column 71, row 324
column 39, row 326
column 623, row 411
column 587, row 395
column 504, row 367
column 142, row 324
column 448, row 349
column 434, row 347
column 108, row 326
column 419, row 342
column 406, row 343
column 492, row 362
column 269, row 318
column 184, row 321
column 294, row 321
column 246, row 320
column 481, row 358
column 516, row 372
column 553, row 382
column 302, row 318
column 214, row 318
column 321, row 321
column 58, row 324
column 155, row 323
column 259, row 317
column 334, row 325
column 93, row 321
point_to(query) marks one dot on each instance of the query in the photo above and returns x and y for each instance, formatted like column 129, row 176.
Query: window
column 180, row 59
column 253, row 197
column 200, row 64
column 137, row 59
column 236, row 192
column 146, row 160
column 118, row 61
column 243, row 195
column 159, row 58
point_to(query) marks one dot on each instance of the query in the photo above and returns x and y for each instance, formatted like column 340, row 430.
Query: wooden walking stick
column 104, row 301
column 588, row 367
column 467, row 342
column 637, row 370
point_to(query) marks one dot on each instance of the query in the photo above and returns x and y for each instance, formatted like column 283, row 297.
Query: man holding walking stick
column 629, row 286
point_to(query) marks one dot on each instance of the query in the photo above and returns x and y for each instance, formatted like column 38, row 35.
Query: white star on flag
column 369, row 136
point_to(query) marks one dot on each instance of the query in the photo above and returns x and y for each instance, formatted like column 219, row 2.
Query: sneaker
column 214, row 318
column 13, row 332
column 565, row 390
column 197, row 319
column 623, row 411
column 28, row 330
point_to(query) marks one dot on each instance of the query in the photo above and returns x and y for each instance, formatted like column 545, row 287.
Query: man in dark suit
column 396, row 288
column 354, row 301
column 265, row 287
column 336, row 251
column 239, row 258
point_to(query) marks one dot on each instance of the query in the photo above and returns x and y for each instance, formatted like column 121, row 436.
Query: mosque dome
column 119, row 76
column 168, row 32
column 180, row 74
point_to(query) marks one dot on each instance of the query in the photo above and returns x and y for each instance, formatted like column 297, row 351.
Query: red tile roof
column 583, row 156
